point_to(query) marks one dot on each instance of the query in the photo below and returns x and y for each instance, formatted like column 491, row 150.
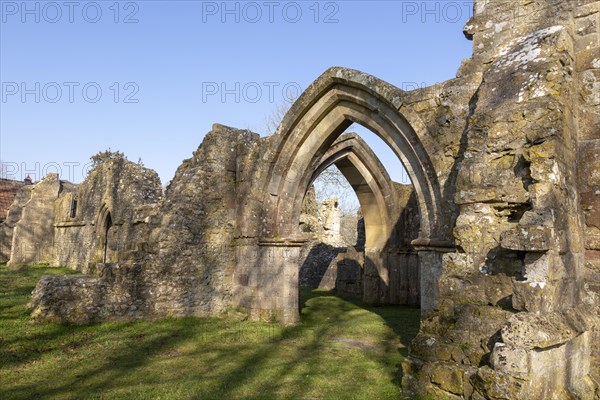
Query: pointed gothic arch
column 369, row 180
column 337, row 99
column 104, row 223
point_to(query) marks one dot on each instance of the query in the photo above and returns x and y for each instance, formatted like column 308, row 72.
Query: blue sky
column 149, row 78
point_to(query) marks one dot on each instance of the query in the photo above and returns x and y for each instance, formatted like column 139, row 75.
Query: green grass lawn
column 340, row 351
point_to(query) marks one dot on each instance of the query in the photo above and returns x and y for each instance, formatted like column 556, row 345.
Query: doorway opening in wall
column 105, row 237
column 399, row 218
column 330, row 221
column 360, row 223
column 348, row 285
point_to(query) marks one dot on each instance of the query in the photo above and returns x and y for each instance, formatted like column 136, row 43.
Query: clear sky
column 149, row 78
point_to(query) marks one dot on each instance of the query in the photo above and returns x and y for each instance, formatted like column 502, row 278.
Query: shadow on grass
column 404, row 321
column 325, row 320
column 340, row 350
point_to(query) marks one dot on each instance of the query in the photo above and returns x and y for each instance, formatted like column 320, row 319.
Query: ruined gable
column 59, row 223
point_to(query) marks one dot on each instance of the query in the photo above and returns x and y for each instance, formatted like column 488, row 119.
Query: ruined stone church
column 497, row 239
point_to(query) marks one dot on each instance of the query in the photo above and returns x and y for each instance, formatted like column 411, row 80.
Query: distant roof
column 8, row 191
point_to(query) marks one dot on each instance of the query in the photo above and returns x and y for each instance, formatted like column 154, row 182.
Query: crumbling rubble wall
column 510, row 320
column 195, row 254
column 107, row 216
column 183, row 265
column 61, row 224
column 33, row 234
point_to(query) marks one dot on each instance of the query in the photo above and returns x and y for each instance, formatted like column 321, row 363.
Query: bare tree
column 273, row 120
column 332, row 183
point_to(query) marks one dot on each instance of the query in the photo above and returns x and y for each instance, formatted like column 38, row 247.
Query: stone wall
column 180, row 262
column 109, row 214
column 508, row 311
column 196, row 240
column 13, row 216
column 585, row 32
column 33, row 234
column 62, row 224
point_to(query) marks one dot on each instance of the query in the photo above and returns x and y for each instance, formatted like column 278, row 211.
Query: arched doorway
column 104, row 234
column 388, row 273
column 369, row 180
column 336, row 100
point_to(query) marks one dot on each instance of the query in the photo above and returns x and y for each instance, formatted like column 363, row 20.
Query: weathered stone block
column 528, row 238
column 497, row 385
column 586, row 42
column 537, row 331
column 535, row 297
column 511, row 360
column 448, row 377
column 592, row 240
column 590, row 203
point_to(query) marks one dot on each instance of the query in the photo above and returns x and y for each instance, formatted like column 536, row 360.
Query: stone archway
column 370, row 181
column 267, row 284
column 331, row 104
column 388, row 276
